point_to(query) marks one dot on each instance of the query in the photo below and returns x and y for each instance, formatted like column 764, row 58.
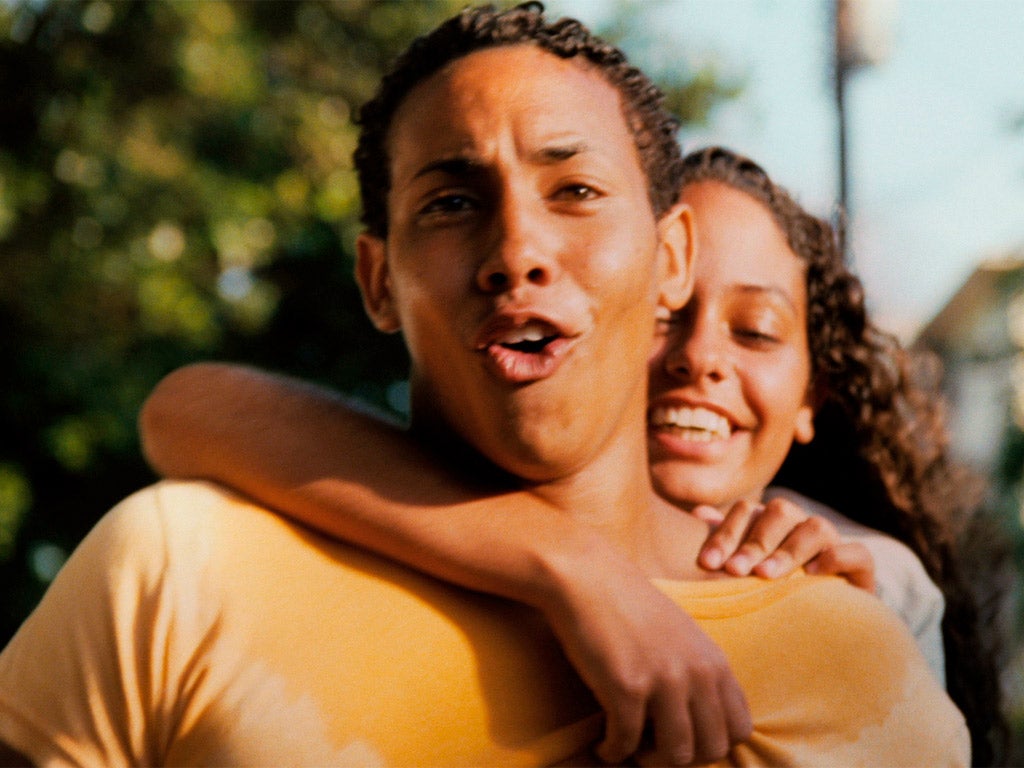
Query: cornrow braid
column 654, row 129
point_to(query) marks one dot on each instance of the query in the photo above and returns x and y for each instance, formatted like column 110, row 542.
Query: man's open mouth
column 526, row 352
column 531, row 338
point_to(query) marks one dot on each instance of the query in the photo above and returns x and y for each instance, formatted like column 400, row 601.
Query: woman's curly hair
column 654, row 129
column 880, row 454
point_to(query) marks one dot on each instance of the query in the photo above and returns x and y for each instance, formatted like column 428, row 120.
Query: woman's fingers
column 850, row 560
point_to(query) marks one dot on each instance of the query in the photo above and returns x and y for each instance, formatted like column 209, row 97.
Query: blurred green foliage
column 176, row 184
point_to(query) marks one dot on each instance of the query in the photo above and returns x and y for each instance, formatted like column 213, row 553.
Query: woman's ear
column 375, row 283
column 803, row 431
column 677, row 247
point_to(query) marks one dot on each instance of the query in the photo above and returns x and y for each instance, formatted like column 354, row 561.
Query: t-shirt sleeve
column 82, row 675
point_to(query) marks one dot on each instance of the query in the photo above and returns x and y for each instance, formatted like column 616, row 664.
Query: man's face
column 523, row 261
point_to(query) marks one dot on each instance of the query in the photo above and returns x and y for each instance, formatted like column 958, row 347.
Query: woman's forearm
column 303, row 451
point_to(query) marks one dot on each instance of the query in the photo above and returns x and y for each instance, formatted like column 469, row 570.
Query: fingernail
column 740, row 564
column 770, row 568
column 713, row 558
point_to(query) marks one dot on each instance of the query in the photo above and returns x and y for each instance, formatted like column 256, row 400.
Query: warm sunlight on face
column 520, row 263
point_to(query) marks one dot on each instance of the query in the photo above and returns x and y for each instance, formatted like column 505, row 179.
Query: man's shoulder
column 174, row 502
column 169, row 513
column 733, row 597
column 168, row 494
column 897, row 567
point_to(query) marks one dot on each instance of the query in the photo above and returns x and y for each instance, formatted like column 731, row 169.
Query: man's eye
column 577, row 192
column 445, row 204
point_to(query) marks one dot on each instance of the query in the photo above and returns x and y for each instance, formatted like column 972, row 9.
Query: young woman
column 772, row 361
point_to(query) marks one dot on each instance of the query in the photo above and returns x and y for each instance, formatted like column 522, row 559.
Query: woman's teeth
column 698, row 423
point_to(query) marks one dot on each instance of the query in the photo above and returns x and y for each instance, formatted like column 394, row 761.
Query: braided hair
column 653, row 127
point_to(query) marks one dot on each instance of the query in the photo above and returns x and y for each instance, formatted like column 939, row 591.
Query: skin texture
column 730, row 392
column 519, row 215
column 633, row 661
column 356, row 478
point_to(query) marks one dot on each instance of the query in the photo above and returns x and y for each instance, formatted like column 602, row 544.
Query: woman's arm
column 303, row 451
column 314, row 457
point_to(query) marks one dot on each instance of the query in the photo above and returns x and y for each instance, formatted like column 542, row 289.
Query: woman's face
column 730, row 374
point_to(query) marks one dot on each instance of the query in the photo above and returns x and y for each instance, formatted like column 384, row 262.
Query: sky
column 936, row 170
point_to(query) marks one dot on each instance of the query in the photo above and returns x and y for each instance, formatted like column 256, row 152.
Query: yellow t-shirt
column 193, row 628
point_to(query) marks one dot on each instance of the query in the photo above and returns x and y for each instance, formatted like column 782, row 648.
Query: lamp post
column 861, row 38
column 841, row 65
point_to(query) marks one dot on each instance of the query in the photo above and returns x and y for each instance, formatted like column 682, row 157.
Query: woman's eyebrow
column 773, row 290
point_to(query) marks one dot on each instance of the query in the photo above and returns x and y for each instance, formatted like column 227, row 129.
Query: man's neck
column 611, row 493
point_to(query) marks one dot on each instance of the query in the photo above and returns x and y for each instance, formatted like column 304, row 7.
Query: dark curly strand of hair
column 880, row 452
column 653, row 128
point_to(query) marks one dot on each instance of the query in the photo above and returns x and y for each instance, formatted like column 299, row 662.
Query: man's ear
column 375, row 282
column 677, row 247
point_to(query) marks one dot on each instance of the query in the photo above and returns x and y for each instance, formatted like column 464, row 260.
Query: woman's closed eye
column 761, row 324
column 757, row 336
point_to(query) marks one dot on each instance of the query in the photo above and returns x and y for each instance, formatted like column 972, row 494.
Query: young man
column 519, row 186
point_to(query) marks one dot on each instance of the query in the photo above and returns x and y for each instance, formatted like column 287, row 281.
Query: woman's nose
column 696, row 353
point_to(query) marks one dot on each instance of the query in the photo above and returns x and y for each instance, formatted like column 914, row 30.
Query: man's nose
column 522, row 249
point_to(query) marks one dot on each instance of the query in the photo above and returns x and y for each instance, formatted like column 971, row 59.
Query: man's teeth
column 699, row 423
column 531, row 333
column 527, row 333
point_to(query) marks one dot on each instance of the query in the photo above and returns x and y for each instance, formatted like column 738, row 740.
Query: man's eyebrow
column 451, row 166
column 467, row 166
column 558, row 153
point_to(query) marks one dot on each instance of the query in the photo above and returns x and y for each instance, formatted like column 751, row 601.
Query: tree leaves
column 175, row 184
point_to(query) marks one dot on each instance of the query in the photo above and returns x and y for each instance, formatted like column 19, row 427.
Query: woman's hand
column 774, row 539
column 648, row 664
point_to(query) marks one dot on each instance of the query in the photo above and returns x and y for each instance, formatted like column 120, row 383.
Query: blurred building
column 979, row 336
